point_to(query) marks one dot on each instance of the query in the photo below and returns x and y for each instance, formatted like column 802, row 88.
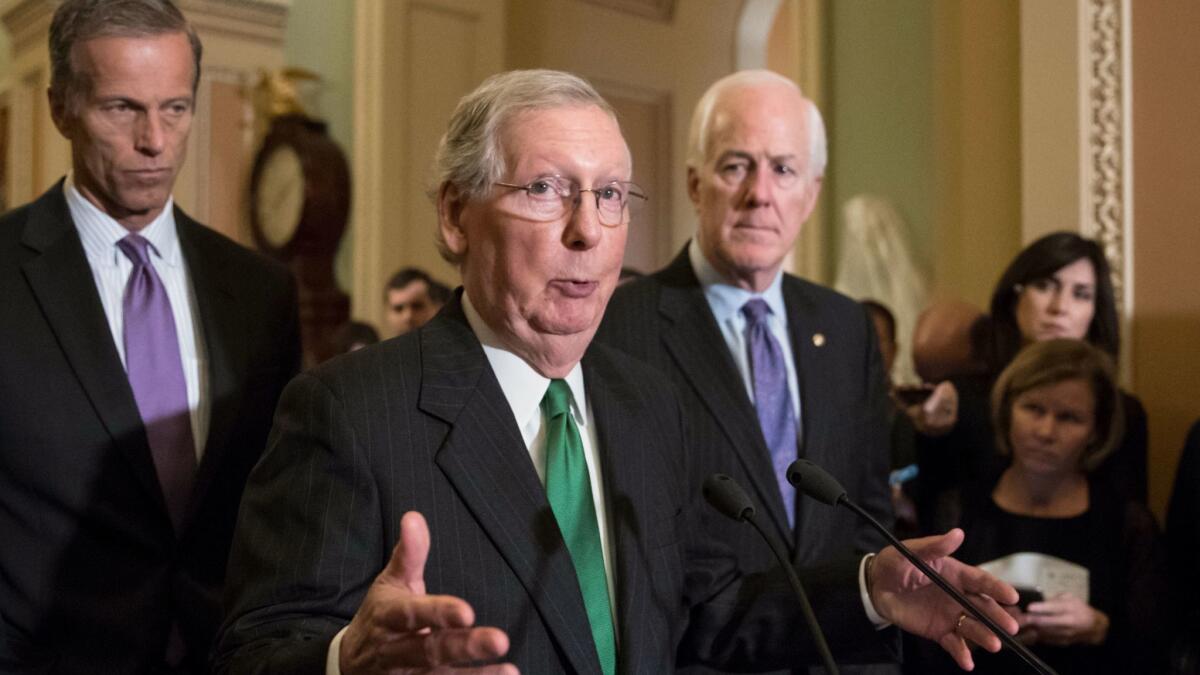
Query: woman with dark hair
column 1057, row 287
column 1090, row 565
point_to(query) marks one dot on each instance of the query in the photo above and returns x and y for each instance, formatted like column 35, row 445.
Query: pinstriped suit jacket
column 420, row 423
column 665, row 320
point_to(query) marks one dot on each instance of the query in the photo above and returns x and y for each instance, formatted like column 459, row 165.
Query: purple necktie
column 156, row 375
column 771, row 398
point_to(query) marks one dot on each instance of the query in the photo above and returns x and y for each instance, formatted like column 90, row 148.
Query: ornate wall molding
column 1104, row 135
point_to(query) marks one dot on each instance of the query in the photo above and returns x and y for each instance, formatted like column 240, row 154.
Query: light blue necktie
column 772, row 400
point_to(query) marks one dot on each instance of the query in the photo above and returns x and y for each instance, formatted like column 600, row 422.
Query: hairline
column 700, row 128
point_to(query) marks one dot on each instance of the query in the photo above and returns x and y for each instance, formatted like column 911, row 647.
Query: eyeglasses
column 552, row 197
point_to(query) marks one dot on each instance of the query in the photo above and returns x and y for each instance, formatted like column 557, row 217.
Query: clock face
column 279, row 200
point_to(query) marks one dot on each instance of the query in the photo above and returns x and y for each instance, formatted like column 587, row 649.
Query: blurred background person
column 925, row 407
column 412, row 298
column 1057, row 287
column 1091, row 561
column 353, row 336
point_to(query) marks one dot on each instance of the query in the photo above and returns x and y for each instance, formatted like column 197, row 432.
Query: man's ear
column 693, row 185
column 813, row 191
column 450, row 203
column 60, row 113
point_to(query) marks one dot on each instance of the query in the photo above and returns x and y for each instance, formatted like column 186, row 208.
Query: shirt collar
column 523, row 386
column 100, row 232
column 726, row 299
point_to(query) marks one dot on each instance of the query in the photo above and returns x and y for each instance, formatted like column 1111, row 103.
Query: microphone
column 726, row 496
column 817, row 483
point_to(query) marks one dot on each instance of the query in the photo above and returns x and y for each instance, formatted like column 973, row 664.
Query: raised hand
column 903, row 595
column 399, row 629
column 938, row 414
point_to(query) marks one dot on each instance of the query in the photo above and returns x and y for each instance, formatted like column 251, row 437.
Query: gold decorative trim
column 1105, row 135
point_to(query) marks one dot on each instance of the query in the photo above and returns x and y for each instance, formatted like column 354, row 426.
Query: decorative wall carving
column 1104, row 135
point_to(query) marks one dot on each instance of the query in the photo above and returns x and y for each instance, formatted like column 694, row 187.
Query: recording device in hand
column 725, row 495
column 812, row 480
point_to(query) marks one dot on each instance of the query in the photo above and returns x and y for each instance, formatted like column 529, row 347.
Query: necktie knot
column 756, row 310
column 557, row 400
column 136, row 248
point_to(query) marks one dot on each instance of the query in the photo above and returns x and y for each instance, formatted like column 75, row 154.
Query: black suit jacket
column 420, row 423
column 92, row 574
column 664, row 320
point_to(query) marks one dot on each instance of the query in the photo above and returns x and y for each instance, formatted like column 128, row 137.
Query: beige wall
column 977, row 149
column 1166, row 208
column 664, row 64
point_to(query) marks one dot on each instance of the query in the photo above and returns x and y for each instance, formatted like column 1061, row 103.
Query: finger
column 446, row 647
column 933, row 402
column 415, row 612
column 976, row 632
column 979, row 582
column 939, row 546
column 996, row 612
column 407, row 564
column 957, row 648
column 494, row 669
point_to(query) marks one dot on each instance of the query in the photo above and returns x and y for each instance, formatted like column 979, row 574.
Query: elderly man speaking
column 493, row 492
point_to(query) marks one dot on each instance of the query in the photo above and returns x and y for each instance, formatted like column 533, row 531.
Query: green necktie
column 569, row 490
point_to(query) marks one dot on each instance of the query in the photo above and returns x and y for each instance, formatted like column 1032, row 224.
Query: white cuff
column 335, row 652
column 876, row 620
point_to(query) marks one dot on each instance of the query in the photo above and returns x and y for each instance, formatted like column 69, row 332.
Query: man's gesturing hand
column 903, row 595
column 400, row 629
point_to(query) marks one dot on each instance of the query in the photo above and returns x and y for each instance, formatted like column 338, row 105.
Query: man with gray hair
column 144, row 354
column 495, row 486
column 769, row 367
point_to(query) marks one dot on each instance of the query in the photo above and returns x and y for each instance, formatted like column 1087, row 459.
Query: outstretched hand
column 400, row 629
column 907, row 598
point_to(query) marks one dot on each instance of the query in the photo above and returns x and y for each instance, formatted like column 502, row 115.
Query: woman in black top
column 1057, row 287
column 1046, row 526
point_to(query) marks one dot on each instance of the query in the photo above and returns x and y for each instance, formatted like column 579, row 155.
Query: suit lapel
column 485, row 458
column 62, row 282
column 694, row 340
column 218, row 314
column 631, row 479
column 812, row 366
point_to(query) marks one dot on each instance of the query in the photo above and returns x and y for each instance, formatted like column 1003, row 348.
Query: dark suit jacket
column 91, row 572
column 420, row 423
column 664, row 320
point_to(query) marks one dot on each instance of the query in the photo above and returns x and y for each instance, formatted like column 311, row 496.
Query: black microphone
column 816, row 482
column 726, row 496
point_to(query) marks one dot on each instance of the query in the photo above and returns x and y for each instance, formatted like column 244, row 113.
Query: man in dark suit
column 551, row 472
column 804, row 380
column 143, row 356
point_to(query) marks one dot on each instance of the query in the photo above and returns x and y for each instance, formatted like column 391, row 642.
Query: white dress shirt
column 99, row 234
column 726, row 301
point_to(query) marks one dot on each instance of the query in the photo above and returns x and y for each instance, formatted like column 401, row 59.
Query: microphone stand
column 805, row 606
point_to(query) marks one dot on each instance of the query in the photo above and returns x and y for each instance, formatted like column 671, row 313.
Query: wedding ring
column 958, row 624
